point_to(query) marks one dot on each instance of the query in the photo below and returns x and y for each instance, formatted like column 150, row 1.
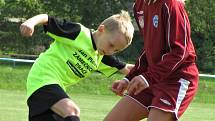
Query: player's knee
column 72, row 111
column 65, row 108
column 71, row 118
column 76, row 111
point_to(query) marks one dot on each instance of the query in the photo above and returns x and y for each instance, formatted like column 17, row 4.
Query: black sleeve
column 62, row 28
column 113, row 61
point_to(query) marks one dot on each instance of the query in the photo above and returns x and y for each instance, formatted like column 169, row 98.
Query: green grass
column 93, row 107
column 91, row 94
column 14, row 78
column 206, row 91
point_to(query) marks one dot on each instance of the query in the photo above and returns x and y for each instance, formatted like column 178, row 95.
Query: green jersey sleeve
column 110, row 65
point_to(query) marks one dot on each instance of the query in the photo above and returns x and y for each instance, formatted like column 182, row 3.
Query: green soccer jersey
column 71, row 57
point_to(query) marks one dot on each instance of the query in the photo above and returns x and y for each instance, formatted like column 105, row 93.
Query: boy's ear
column 101, row 28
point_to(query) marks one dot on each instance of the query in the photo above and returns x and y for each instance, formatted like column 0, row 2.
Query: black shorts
column 46, row 116
column 41, row 100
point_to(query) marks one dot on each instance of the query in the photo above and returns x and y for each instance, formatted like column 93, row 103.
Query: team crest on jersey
column 141, row 18
column 155, row 21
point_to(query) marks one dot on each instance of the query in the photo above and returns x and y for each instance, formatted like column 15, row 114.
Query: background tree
column 202, row 18
column 91, row 13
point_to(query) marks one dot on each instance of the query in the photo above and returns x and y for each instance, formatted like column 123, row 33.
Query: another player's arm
column 111, row 65
column 173, row 59
column 140, row 65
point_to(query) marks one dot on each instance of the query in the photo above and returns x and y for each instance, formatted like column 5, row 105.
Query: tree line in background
column 90, row 13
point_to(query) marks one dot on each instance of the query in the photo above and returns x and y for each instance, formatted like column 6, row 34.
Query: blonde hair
column 120, row 23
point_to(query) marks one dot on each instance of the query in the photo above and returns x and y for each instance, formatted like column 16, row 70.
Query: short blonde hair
column 120, row 23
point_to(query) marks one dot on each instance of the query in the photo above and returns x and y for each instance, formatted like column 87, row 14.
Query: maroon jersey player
column 165, row 77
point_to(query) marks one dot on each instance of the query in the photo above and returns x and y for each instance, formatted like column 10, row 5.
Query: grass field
column 92, row 95
column 93, row 107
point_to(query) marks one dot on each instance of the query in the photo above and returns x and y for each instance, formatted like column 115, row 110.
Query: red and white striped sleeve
column 177, row 31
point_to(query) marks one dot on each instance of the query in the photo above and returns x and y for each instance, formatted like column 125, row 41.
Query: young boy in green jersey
column 75, row 53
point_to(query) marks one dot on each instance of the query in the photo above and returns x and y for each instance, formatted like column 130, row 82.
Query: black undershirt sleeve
column 113, row 61
column 62, row 28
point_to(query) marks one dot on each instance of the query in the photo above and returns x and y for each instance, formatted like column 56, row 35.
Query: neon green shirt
column 68, row 60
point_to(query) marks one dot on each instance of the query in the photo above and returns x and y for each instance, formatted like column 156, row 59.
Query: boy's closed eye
column 113, row 46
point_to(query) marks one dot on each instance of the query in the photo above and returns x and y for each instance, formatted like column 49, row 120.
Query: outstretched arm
column 27, row 28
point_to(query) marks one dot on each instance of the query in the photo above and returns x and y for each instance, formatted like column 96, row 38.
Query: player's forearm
column 126, row 69
column 38, row 19
column 140, row 65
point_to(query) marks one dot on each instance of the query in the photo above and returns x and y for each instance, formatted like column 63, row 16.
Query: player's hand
column 27, row 29
column 136, row 85
column 119, row 86
column 126, row 69
column 150, row 1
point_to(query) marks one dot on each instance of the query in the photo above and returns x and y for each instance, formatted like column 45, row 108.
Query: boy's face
column 109, row 43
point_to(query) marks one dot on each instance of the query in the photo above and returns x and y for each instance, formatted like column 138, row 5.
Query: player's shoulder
column 172, row 5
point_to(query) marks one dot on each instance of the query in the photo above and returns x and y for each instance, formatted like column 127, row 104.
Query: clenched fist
column 27, row 29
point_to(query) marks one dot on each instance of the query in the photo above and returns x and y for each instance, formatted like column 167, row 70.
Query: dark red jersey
column 168, row 49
